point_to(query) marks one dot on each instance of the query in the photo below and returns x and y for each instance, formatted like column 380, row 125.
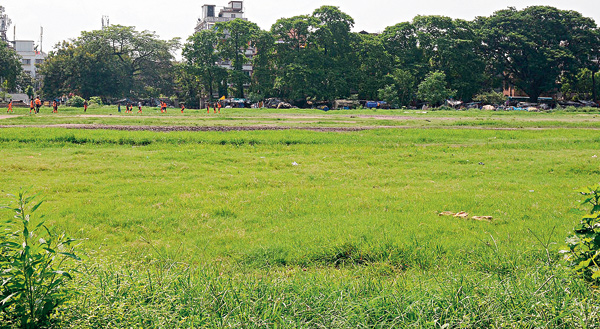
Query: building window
column 39, row 61
column 27, row 61
column 232, row 15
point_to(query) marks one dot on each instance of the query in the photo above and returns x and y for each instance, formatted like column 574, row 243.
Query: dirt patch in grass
column 2, row 117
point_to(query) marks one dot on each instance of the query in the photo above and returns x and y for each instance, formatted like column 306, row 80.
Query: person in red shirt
column 31, row 106
column 10, row 107
column 182, row 107
column 54, row 107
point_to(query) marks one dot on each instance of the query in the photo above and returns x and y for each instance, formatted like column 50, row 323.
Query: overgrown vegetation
column 299, row 228
column 584, row 245
column 35, row 266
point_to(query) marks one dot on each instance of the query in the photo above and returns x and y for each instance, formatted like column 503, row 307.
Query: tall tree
column 451, row 46
column 374, row 64
column 201, row 57
column 533, row 47
column 337, row 58
column 115, row 62
column 10, row 65
column 237, row 40
column 295, row 58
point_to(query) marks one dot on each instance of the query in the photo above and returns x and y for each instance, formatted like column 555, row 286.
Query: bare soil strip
column 265, row 127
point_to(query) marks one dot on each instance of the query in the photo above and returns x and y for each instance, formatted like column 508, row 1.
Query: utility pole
column 41, row 39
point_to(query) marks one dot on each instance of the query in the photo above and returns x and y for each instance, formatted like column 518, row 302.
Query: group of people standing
column 35, row 104
column 129, row 107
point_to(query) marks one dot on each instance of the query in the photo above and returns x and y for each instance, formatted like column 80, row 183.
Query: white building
column 209, row 18
column 30, row 56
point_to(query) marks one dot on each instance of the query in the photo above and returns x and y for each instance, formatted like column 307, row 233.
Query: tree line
column 308, row 58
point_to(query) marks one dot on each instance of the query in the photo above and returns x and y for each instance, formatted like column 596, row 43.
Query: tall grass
column 204, row 229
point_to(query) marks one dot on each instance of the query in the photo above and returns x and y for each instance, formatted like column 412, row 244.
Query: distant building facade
column 210, row 17
column 30, row 56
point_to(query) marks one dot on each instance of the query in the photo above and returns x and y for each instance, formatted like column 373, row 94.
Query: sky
column 65, row 19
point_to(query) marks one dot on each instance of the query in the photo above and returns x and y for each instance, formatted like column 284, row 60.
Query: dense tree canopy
column 117, row 61
column 10, row 66
column 317, row 57
column 533, row 47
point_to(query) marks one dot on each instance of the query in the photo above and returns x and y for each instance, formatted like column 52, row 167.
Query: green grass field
column 314, row 229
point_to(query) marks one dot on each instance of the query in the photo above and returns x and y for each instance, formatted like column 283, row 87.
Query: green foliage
column 76, row 101
column 10, row 65
column 200, row 68
column 29, row 91
column 237, row 37
column 35, row 266
column 117, row 61
column 535, row 46
column 434, row 89
column 95, row 100
column 401, row 90
column 584, row 245
column 491, row 97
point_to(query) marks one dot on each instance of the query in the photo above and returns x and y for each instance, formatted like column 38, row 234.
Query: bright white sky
column 65, row 19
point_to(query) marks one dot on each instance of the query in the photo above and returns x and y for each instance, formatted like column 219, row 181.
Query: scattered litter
column 462, row 214
column 595, row 156
column 482, row 164
column 262, row 157
column 483, row 218
column 295, row 164
column 531, row 191
column 465, row 215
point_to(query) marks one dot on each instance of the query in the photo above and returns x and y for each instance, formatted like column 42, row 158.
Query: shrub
column 96, row 100
column 491, row 97
column 584, row 245
column 76, row 101
column 34, row 265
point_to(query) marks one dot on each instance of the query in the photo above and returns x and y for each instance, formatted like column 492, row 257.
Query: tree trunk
column 594, row 96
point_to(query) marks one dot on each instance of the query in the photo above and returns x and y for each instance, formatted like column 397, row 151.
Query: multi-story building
column 30, row 56
column 209, row 18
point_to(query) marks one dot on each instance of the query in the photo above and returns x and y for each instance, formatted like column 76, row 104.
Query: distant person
column 85, row 105
column 54, row 106
column 208, row 107
column 182, row 107
column 219, row 107
column 31, row 106
column 128, row 108
column 139, row 107
column 119, row 107
column 38, row 104
column 10, row 109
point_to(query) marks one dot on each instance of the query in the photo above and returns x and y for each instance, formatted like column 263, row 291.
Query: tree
column 434, row 89
column 237, row 39
column 400, row 89
column 10, row 65
column 295, row 59
column 451, row 46
column 374, row 64
column 201, row 57
column 114, row 62
column 336, row 57
column 263, row 77
column 533, row 47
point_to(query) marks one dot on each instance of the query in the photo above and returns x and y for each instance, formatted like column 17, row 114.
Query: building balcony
column 219, row 19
